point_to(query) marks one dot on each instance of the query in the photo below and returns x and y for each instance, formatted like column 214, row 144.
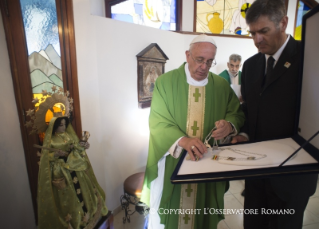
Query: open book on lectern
column 298, row 154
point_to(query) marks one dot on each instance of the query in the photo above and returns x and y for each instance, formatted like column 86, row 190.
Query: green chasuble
column 168, row 122
column 225, row 75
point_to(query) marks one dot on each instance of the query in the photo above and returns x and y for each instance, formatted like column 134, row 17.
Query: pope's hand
column 224, row 128
column 238, row 138
column 194, row 147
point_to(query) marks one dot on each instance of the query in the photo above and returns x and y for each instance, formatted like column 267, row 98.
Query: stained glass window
column 222, row 16
column 160, row 14
column 42, row 37
column 301, row 10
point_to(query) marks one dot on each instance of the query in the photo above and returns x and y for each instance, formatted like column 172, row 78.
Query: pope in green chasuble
column 180, row 109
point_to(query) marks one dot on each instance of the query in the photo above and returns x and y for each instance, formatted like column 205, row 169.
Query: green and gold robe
column 58, row 200
column 169, row 121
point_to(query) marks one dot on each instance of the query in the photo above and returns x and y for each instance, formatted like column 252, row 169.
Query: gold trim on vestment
column 194, row 129
column 195, row 111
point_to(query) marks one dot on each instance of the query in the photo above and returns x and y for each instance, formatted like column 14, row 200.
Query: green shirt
column 225, row 75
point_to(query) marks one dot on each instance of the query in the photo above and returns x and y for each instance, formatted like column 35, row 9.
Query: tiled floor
column 233, row 200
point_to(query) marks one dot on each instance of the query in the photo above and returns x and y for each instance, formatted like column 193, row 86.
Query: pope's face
column 233, row 66
column 200, row 52
column 268, row 37
column 61, row 127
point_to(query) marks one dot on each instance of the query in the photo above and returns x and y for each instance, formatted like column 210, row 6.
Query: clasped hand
column 60, row 153
column 238, row 138
column 195, row 147
column 224, row 128
column 86, row 145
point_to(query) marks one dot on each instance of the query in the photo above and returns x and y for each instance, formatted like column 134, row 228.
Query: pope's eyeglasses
column 209, row 63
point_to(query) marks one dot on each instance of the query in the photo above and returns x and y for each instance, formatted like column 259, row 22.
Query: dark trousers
column 260, row 195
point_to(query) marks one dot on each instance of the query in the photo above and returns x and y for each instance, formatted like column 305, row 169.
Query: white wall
column 188, row 15
column 16, row 209
column 291, row 13
column 97, row 7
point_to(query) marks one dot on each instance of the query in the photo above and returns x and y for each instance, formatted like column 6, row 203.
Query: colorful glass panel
column 222, row 16
column 301, row 10
column 42, row 38
column 160, row 14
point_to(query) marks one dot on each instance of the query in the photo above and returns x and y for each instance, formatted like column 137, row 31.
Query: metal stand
column 140, row 207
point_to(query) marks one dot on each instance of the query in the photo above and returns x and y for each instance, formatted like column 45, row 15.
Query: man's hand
column 193, row 146
column 224, row 128
column 238, row 138
column 241, row 99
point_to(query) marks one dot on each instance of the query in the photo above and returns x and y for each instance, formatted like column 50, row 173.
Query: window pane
column 222, row 17
column 42, row 38
column 160, row 14
column 302, row 10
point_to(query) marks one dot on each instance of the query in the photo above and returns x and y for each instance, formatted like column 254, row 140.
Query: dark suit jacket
column 271, row 111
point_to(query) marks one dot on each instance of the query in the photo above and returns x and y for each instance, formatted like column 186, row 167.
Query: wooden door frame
column 20, row 71
column 68, row 59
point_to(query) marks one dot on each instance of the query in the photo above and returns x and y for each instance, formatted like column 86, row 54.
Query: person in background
column 232, row 74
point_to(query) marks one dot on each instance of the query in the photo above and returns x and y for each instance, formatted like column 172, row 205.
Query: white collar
column 190, row 79
column 277, row 55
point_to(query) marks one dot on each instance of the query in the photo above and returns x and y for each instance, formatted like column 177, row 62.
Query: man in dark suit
column 269, row 90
